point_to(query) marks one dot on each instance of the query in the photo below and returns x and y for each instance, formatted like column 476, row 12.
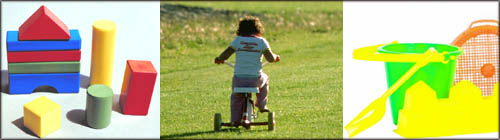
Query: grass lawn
column 305, row 86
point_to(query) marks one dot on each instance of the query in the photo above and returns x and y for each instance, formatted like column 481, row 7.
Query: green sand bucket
column 438, row 75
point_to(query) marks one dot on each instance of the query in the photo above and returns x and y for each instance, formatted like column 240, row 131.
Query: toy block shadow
column 84, row 81
column 19, row 123
column 5, row 81
column 116, row 103
column 45, row 88
column 77, row 116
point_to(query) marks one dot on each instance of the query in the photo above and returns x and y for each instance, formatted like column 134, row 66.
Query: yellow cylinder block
column 103, row 48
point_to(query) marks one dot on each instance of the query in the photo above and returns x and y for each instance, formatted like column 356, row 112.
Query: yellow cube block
column 42, row 116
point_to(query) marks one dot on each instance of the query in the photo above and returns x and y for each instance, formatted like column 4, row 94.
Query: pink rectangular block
column 137, row 88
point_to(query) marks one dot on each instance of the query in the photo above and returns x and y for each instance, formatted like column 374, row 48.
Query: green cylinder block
column 99, row 105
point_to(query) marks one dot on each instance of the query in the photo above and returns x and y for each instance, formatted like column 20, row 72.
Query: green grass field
column 305, row 86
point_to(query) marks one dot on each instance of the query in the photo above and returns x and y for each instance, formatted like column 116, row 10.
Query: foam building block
column 43, row 56
column 43, row 52
column 26, row 83
column 103, row 48
column 43, row 25
column 14, row 44
column 137, row 87
column 45, row 67
column 466, row 111
column 99, row 105
column 42, row 116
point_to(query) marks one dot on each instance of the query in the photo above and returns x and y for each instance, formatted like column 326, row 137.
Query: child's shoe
column 235, row 124
column 265, row 109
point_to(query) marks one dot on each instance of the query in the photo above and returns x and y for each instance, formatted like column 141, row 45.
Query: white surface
column 371, row 23
column 136, row 38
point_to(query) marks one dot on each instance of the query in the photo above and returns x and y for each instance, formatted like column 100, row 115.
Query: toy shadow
column 4, row 84
column 224, row 130
column 84, row 81
column 116, row 103
column 49, row 89
column 19, row 123
column 77, row 116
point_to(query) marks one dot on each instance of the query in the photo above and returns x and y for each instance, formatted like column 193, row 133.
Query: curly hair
column 250, row 25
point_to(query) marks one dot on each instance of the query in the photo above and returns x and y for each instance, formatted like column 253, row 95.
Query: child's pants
column 237, row 99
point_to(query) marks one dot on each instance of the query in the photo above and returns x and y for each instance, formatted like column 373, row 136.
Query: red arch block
column 137, row 87
column 43, row 25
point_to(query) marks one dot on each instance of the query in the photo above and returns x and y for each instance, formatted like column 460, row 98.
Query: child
column 249, row 47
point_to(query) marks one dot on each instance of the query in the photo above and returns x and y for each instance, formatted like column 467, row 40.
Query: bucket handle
column 370, row 53
column 483, row 21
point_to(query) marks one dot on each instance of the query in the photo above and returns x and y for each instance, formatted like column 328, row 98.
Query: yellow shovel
column 376, row 110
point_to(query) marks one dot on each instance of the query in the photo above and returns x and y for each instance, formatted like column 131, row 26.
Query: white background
column 371, row 23
column 137, row 37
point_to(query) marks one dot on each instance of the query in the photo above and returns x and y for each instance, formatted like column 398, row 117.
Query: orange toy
column 479, row 62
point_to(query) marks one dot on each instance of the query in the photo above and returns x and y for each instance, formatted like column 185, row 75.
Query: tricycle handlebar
column 232, row 65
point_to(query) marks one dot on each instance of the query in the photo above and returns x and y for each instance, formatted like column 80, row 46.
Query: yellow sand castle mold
column 466, row 111
column 42, row 116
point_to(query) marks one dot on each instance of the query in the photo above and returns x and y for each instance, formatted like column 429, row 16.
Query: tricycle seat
column 246, row 90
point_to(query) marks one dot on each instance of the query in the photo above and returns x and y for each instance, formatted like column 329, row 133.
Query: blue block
column 26, row 83
column 13, row 43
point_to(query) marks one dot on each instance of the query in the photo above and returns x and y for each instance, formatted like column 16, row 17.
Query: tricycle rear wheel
column 217, row 122
column 271, row 123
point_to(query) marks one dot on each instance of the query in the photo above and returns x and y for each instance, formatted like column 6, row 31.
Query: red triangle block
column 43, row 25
